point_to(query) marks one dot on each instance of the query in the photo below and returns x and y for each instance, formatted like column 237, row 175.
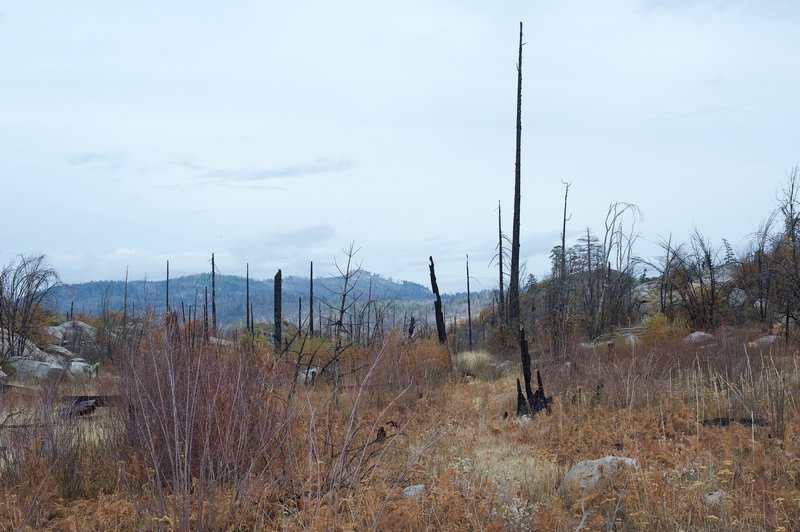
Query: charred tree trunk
column 277, row 306
column 167, row 286
column 311, row 301
column 205, row 316
column 513, row 284
column 411, row 325
column 247, row 300
column 501, row 302
column 536, row 401
column 125, row 300
column 441, row 331
column 213, row 297
column 522, row 403
column 469, row 308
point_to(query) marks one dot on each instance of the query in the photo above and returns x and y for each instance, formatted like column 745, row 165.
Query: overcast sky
column 279, row 132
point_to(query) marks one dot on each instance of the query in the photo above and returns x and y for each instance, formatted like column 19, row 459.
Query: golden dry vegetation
column 226, row 439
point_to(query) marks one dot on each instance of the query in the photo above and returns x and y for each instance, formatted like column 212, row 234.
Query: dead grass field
column 280, row 456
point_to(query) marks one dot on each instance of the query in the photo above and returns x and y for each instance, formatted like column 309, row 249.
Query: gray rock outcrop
column 24, row 368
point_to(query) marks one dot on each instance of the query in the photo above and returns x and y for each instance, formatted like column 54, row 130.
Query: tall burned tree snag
column 469, row 308
column 311, row 301
column 513, row 284
column 277, row 311
column 125, row 299
column 167, row 286
column 441, row 331
column 213, row 297
column 247, row 299
column 205, row 316
column 501, row 301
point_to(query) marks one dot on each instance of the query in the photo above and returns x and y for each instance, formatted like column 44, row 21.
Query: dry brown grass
column 269, row 454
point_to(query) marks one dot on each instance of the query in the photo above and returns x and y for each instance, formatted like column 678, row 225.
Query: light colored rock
column 23, row 368
column 630, row 340
column 220, row 341
column 714, row 497
column 3, row 375
column 413, row 491
column 81, row 338
column 80, row 368
column 56, row 334
column 29, row 349
column 591, row 475
column 763, row 341
column 698, row 337
column 309, row 376
column 646, row 298
column 737, row 298
column 59, row 351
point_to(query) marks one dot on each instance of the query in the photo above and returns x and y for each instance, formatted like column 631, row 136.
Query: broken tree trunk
column 522, row 403
column 536, row 401
column 441, row 332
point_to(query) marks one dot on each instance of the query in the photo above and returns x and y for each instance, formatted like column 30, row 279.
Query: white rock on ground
column 714, row 497
column 698, row 337
column 591, row 475
column 764, row 341
column 413, row 491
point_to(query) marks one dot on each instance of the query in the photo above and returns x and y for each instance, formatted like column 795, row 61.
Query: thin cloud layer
column 248, row 175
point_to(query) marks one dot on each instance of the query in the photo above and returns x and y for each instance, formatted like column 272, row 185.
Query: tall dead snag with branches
column 758, row 274
column 441, row 331
column 787, row 253
column 513, row 283
column 501, row 300
column 343, row 339
column 615, row 283
column 277, row 281
column 24, row 287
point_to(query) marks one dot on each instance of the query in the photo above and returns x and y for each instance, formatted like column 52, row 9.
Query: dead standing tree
column 469, row 308
column 532, row 402
column 441, row 331
column 343, row 338
column 311, row 301
column 513, row 285
column 24, row 286
column 277, row 281
column 213, row 297
column 501, row 300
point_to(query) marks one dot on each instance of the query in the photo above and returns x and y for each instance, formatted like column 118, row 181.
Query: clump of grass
column 478, row 364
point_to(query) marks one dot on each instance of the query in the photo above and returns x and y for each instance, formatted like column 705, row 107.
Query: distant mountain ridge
column 91, row 297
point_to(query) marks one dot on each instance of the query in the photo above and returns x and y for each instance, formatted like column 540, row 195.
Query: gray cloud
column 318, row 166
column 98, row 158
column 766, row 8
column 284, row 243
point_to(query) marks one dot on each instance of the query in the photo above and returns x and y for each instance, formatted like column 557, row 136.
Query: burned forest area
column 615, row 391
